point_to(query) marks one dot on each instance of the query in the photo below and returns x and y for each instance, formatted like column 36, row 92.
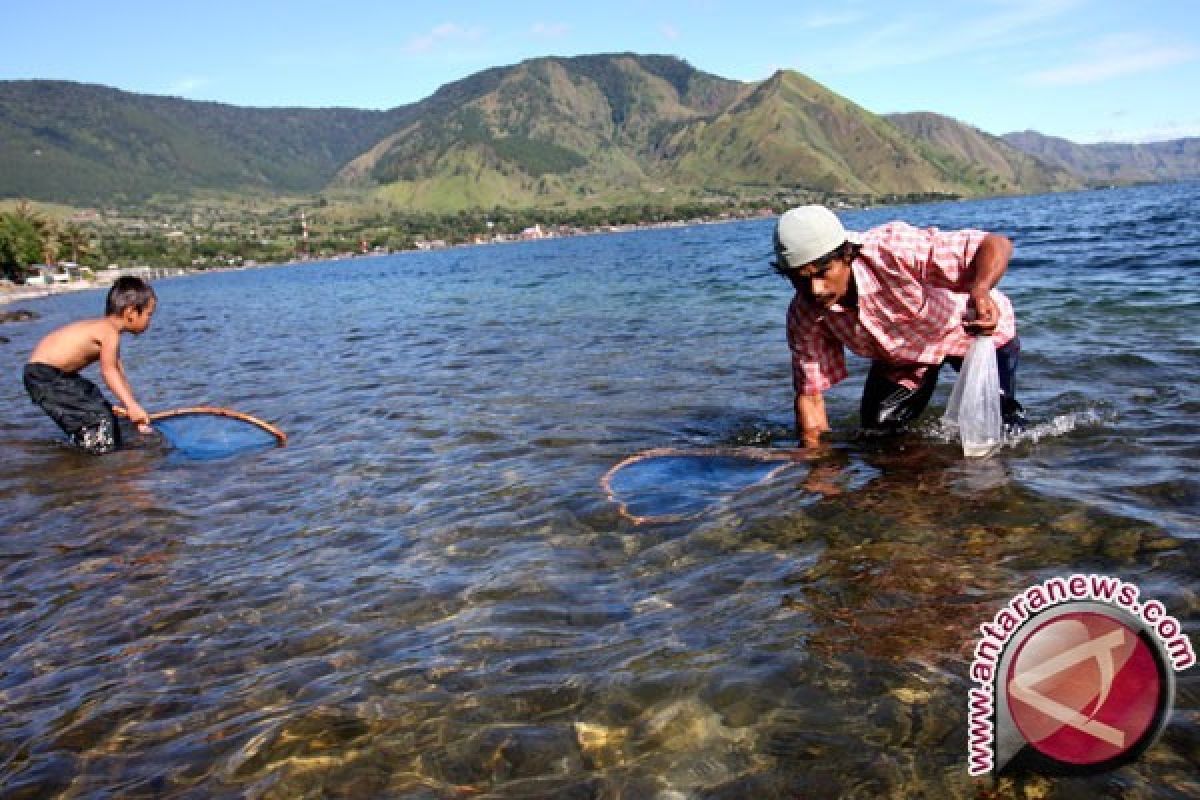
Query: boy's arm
column 114, row 375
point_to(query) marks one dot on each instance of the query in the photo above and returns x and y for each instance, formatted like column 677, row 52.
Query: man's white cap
column 804, row 234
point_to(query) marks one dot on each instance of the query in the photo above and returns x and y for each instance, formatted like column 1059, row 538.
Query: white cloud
column 185, row 86
column 669, row 31
column 550, row 30
column 819, row 20
column 441, row 35
column 906, row 39
column 1114, row 57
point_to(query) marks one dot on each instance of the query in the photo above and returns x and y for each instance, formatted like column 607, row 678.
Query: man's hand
column 811, row 421
column 986, row 317
column 811, row 438
column 988, row 266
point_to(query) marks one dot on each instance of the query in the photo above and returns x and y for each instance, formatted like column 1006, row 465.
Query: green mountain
column 791, row 131
column 597, row 129
column 1113, row 162
column 983, row 153
column 81, row 143
column 550, row 132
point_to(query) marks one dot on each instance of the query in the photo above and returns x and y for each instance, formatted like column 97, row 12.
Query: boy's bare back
column 52, row 375
column 77, row 345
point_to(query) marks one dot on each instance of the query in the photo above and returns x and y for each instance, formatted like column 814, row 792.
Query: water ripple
column 427, row 593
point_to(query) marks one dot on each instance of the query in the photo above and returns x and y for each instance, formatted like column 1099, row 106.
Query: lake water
column 428, row 594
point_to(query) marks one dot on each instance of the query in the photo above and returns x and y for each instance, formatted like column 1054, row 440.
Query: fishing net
column 664, row 485
column 206, row 433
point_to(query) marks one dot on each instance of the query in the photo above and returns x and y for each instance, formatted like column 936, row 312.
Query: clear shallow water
column 428, row 594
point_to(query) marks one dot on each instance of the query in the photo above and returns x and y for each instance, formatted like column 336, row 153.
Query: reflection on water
column 428, row 593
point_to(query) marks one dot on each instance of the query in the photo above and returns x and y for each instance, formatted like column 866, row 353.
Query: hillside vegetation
column 552, row 133
column 987, row 157
column 85, row 144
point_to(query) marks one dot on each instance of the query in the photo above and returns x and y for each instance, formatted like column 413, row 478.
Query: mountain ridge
column 1106, row 163
column 53, row 133
column 973, row 149
column 547, row 132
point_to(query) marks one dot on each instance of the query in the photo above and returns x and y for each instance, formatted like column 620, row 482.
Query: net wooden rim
column 784, row 458
column 218, row 411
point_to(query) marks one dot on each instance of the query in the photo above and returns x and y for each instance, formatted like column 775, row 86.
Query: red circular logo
column 1084, row 688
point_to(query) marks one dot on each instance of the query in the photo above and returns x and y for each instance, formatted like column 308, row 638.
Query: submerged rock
column 686, row 725
column 503, row 753
column 601, row 745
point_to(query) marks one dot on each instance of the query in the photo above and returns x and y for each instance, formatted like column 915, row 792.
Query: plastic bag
column 974, row 408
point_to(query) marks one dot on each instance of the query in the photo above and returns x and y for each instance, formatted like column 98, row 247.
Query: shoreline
column 15, row 294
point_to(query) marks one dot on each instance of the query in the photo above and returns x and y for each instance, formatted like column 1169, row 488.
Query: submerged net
column 209, row 433
column 664, row 485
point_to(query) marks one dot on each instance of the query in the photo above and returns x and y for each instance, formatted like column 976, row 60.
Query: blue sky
column 1087, row 70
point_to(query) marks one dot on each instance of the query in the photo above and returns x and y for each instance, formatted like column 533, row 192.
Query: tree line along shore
column 44, row 246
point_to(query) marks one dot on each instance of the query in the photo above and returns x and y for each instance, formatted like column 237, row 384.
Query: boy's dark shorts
column 77, row 405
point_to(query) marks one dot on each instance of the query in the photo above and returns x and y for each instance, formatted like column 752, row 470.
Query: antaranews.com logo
column 1079, row 670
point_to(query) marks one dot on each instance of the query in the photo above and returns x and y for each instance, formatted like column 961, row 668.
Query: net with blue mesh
column 663, row 485
column 205, row 435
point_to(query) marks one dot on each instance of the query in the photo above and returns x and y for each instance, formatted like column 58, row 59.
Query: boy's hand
column 138, row 416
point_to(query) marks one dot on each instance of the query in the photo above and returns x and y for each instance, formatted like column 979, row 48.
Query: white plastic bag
column 974, row 408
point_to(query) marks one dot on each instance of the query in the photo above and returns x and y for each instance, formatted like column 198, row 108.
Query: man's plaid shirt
column 913, row 286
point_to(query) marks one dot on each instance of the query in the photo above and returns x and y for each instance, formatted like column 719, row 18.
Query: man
column 909, row 299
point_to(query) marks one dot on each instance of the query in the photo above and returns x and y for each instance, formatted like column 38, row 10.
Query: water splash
column 1059, row 425
column 1063, row 424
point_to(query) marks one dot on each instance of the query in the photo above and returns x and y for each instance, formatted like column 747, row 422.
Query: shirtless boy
column 52, row 375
